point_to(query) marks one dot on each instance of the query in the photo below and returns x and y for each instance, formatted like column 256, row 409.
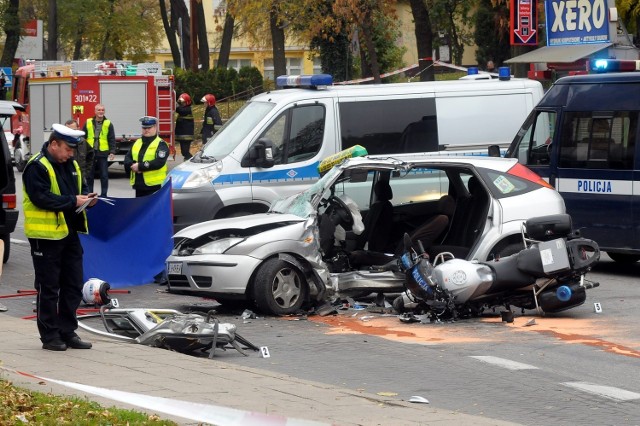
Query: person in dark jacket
column 184, row 125
column 146, row 161
column 212, row 120
column 53, row 189
column 83, row 153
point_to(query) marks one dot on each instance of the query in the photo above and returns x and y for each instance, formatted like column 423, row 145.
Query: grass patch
column 19, row 407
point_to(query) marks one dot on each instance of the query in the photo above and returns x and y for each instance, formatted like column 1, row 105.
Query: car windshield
column 303, row 204
column 236, row 129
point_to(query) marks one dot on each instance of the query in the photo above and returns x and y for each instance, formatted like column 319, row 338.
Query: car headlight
column 218, row 246
column 203, row 176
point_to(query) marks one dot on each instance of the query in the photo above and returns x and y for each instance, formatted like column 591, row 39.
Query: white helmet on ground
column 96, row 292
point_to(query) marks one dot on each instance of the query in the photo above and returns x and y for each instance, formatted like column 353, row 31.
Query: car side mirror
column 494, row 151
column 260, row 155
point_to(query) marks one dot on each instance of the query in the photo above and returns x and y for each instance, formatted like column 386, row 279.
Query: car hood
column 242, row 222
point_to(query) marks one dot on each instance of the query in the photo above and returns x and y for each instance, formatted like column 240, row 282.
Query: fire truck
column 55, row 91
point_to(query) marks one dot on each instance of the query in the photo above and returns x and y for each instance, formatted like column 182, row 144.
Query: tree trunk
column 277, row 40
column 227, row 38
column 52, row 29
column 203, row 43
column 77, row 45
column 367, row 34
column 171, row 35
column 12, row 30
column 179, row 10
column 424, row 39
column 107, row 34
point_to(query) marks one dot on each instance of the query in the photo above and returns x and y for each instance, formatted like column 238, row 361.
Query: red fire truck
column 55, row 91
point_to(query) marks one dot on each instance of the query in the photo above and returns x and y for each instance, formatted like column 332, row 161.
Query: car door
column 300, row 139
column 595, row 174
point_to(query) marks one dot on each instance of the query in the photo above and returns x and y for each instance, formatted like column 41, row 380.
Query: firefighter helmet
column 184, row 99
column 209, row 99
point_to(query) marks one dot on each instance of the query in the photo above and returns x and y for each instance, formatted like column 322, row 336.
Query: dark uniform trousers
column 58, row 274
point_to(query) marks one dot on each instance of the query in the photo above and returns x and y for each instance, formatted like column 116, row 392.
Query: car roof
column 8, row 108
column 428, row 160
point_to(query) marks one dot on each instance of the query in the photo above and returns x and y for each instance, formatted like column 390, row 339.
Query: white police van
column 272, row 146
column 582, row 138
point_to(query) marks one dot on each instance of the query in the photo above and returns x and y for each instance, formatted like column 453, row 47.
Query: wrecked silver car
column 332, row 237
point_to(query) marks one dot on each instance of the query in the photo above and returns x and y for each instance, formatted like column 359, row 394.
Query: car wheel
column 7, row 247
column 280, row 289
column 624, row 257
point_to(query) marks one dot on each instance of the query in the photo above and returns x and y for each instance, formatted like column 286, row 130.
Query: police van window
column 379, row 125
column 297, row 134
column 599, row 140
column 536, row 135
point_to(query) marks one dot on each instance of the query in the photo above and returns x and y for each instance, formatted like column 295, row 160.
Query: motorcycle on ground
column 547, row 275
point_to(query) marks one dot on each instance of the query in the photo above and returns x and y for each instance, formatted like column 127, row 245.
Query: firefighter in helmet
column 212, row 119
column 184, row 125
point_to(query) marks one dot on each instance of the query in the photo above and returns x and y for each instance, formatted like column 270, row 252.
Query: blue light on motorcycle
column 407, row 263
column 564, row 293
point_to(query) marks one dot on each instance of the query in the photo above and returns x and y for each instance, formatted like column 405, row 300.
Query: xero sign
column 576, row 21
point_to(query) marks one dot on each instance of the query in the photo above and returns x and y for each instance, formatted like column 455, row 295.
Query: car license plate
column 174, row 268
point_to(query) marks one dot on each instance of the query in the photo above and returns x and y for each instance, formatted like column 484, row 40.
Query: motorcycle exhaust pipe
column 561, row 298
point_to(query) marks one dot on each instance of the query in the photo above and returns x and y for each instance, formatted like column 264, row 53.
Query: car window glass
column 505, row 185
column 302, row 139
column 389, row 126
column 419, row 185
column 599, row 140
column 535, row 144
column 359, row 192
column 307, row 131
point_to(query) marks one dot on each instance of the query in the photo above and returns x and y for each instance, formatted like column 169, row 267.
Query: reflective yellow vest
column 104, row 132
column 47, row 224
column 150, row 177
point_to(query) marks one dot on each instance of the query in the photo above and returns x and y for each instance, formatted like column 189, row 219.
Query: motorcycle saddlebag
column 545, row 228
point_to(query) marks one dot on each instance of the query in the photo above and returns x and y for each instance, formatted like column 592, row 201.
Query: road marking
column 505, row 363
column 610, row 392
column 17, row 241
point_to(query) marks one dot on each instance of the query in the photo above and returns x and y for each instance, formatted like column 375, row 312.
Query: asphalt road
column 578, row 367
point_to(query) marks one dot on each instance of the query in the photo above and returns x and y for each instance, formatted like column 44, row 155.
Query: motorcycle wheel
column 280, row 289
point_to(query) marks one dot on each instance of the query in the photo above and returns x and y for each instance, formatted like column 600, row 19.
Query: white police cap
column 148, row 121
column 68, row 135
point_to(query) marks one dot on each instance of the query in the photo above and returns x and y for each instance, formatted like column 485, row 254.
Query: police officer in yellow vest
column 101, row 136
column 146, row 162
column 53, row 189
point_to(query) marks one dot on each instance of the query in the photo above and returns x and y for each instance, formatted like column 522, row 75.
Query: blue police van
column 582, row 138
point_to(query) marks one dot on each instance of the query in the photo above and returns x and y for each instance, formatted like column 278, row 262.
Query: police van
column 272, row 146
column 582, row 138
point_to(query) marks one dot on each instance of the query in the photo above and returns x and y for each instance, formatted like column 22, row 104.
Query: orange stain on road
column 583, row 331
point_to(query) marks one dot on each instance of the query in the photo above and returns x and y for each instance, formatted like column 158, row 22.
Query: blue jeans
column 101, row 169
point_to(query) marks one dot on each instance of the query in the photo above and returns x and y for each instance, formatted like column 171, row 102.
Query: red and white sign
column 524, row 22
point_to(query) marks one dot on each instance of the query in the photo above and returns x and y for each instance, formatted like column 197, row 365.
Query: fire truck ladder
column 165, row 111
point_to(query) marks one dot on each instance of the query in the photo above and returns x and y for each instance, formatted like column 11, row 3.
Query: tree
column 492, row 32
column 424, row 39
column 225, row 43
column 11, row 26
column 452, row 18
column 170, row 32
column 52, row 29
column 203, row 42
column 276, row 25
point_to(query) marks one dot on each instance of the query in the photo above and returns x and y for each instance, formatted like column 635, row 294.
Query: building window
column 294, row 67
column 235, row 63
column 317, row 65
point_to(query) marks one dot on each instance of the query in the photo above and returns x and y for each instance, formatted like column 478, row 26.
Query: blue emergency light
column 614, row 65
column 313, row 81
column 504, row 73
column 472, row 70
